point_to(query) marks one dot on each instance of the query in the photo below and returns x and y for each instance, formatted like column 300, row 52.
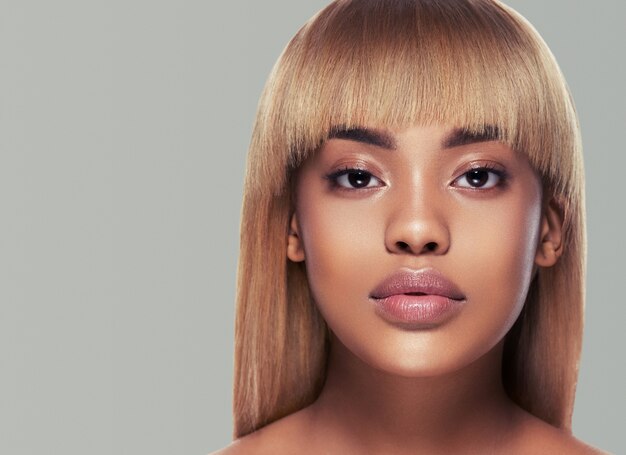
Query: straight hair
column 473, row 64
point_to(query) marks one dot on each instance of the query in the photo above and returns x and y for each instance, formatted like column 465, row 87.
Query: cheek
column 498, row 252
column 505, row 235
column 342, row 242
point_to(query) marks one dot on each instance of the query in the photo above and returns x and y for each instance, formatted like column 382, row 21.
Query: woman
column 411, row 276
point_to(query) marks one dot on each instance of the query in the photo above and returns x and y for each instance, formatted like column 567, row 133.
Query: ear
column 550, row 246
column 295, row 248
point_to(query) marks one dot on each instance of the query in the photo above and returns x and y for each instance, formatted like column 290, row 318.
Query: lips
column 419, row 282
column 417, row 298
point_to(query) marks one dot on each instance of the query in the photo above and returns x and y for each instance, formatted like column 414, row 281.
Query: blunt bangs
column 380, row 63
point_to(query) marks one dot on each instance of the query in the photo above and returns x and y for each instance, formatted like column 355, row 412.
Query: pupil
column 359, row 179
column 478, row 178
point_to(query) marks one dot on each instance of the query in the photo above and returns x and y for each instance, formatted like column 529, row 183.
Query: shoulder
column 540, row 437
column 286, row 436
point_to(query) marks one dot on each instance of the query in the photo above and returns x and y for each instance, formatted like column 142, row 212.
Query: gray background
column 123, row 132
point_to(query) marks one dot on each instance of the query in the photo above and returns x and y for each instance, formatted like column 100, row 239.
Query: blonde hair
column 469, row 63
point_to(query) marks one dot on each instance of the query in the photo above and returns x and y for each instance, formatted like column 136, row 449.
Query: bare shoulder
column 286, row 435
column 539, row 437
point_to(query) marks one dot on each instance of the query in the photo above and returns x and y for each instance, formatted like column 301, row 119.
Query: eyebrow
column 457, row 138
column 462, row 136
column 365, row 136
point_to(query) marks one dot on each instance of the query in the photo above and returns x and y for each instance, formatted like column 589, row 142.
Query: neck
column 364, row 407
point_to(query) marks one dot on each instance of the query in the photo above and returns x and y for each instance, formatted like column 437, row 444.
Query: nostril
column 431, row 246
column 403, row 246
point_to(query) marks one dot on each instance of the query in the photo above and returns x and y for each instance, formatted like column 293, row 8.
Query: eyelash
column 501, row 175
column 334, row 177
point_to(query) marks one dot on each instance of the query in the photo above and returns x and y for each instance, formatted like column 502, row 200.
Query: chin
column 420, row 368
column 426, row 361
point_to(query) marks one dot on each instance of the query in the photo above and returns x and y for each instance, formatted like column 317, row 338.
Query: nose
column 417, row 225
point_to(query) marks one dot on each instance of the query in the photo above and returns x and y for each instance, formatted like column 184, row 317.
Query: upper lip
column 423, row 281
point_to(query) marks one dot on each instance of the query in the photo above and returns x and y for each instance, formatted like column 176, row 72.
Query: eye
column 483, row 178
column 354, row 179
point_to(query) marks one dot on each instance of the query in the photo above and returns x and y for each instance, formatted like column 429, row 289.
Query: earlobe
column 295, row 249
column 550, row 246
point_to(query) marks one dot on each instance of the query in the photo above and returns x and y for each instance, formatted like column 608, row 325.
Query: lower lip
column 417, row 310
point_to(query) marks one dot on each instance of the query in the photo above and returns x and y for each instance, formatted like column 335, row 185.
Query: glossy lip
column 417, row 298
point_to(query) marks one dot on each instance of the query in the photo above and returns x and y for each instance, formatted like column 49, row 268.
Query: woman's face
column 419, row 244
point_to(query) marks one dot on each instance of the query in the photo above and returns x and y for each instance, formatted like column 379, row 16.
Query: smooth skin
column 369, row 205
